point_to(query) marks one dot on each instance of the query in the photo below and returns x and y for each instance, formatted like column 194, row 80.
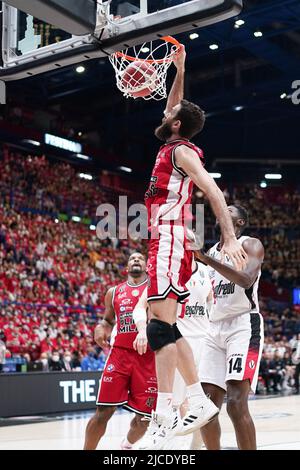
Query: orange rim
column 169, row 39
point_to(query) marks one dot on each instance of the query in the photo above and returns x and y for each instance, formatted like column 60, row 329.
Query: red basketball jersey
column 170, row 188
column 125, row 298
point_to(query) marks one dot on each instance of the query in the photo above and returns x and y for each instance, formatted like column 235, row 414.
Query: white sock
column 164, row 403
column 126, row 443
column 195, row 393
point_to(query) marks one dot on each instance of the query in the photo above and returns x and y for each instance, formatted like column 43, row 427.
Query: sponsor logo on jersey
column 223, row 289
column 126, row 302
column 152, row 379
column 110, row 368
column 194, row 310
column 122, row 309
column 151, row 390
column 121, row 296
column 121, row 289
column 251, row 364
column 107, row 379
column 135, row 293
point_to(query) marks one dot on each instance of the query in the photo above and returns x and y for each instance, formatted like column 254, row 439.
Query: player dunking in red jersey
column 179, row 164
column 128, row 379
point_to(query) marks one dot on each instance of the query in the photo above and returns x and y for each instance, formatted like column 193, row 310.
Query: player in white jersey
column 233, row 344
column 192, row 324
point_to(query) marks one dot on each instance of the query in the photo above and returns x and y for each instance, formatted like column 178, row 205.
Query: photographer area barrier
column 23, row 394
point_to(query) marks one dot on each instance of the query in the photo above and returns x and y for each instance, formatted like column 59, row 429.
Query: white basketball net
column 154, row 73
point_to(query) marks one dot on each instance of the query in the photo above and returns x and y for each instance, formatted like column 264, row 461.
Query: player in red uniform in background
column 178, row 165
column 128, row 379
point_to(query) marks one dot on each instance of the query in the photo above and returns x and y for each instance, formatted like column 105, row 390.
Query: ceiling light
column 32, row 142
column 145, row 49
column 239, row 23
column 125, row 168
column 258, row 34
column 263, row 184
column 283, row 95
column 194, row 36
column 273, row 176
column 92, row 227
column 85, row 176
column 75, row 218
column 238, row 108
column 213, row 47
column 83, row 157
column 80, row 69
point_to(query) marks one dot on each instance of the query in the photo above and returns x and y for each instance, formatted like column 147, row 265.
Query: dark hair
column 243, row 214
column 192, row 119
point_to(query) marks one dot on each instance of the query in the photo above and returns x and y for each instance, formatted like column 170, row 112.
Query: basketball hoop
column 141, row 71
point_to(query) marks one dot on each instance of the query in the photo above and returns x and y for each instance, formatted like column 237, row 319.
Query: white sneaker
column 160, row 431
column 198, row 416
column 153, row 428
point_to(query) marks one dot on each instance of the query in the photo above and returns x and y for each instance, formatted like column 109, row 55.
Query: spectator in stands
column 67, row 361
column 75, row 361
column 55, row 363
column 91, row 360
column 2, row 349
column 45, row 361
column 48, row 261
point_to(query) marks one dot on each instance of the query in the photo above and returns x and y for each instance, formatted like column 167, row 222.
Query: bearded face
column 164, row 131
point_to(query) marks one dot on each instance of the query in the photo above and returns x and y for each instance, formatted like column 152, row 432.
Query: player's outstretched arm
column 103, row 331
column 177, row 90
column 188, row 160
column 139, row 316
column 246, row 278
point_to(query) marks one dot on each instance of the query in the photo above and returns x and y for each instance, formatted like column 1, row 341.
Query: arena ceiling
column 245, row 86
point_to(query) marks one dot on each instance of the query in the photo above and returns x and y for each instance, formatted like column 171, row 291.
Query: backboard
column 31, row 46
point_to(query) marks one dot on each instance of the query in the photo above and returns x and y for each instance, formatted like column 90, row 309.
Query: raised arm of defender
column 247, row 277
column 188, row 160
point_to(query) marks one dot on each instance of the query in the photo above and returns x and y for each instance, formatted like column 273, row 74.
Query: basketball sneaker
column 160, row 431
column 198, row 416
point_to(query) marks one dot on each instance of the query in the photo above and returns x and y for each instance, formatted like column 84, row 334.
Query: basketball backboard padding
column 75, row 17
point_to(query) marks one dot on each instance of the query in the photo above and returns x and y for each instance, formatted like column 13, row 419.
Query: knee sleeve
column 177, row 333
column 160, row 334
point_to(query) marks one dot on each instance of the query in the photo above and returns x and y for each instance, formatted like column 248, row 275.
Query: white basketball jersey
column 230, row 299
column 195, row 321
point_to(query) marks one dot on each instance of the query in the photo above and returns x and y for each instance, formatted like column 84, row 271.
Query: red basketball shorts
column 129, row 380
column 169, row 264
